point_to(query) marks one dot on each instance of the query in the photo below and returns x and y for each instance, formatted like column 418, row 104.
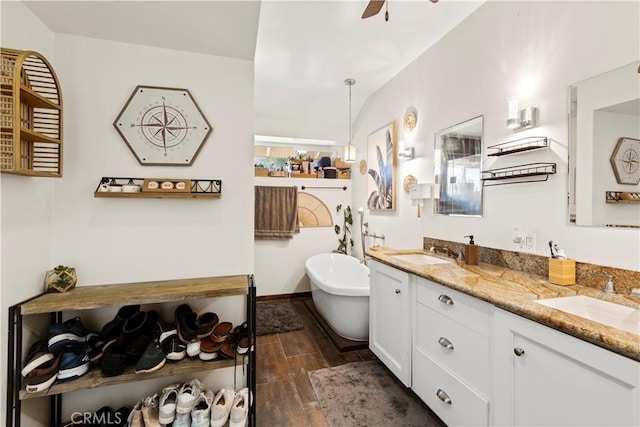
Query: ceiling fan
column 374, row 7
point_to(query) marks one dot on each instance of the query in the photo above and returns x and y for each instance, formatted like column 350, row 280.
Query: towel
column 276, row 213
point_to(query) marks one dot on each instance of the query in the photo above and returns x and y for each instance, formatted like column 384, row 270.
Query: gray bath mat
column 273, row 317
column 366, row 394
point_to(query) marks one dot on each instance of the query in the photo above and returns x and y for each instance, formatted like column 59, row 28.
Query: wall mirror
column 457, row 165
column 604, row 151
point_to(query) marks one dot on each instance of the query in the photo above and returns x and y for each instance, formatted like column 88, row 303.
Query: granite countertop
column 515, row 291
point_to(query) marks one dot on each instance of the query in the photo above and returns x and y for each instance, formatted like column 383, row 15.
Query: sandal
column 244, row 338
column 221, row 332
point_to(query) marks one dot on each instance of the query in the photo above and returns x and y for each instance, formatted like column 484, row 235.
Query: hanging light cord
column 350, row 113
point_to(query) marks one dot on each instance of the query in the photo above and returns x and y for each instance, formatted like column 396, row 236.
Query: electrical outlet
column 524, row 241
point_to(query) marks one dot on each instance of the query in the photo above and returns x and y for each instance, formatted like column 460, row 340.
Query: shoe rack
column 95, row 297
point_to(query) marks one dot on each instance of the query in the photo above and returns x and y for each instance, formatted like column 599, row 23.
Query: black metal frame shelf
column 527, row 170
column 519, row 145
column 200, row 189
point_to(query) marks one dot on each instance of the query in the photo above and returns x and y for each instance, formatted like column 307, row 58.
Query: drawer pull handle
column 443, row 396
column 445, row 343
column 397, row 291
column 445, row 299
column 518, row 351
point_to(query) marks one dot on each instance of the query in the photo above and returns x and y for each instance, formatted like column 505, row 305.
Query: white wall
column 25, row 203
column 529, row 50
column 279, row 264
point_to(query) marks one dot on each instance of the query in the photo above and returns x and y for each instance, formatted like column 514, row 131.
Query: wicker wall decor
column 31, row 115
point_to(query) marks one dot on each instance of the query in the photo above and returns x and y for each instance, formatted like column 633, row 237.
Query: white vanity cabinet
column 544, row 377
column 451, row 353
column 390, row 319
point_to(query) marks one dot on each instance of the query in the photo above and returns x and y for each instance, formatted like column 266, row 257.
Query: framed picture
column 381, row 158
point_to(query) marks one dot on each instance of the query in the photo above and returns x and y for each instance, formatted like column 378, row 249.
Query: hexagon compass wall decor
column 162, row 126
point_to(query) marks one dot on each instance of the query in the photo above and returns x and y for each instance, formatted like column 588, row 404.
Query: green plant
column 343, row 247
column 64, row 276
column 382, row 198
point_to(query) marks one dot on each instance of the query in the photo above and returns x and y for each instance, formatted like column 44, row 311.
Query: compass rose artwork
column 625, row 161
column 162, row 126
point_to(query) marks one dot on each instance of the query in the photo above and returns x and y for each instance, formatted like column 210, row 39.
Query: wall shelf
column 519, row 145
column 197, row 189
column 622, row 197
column 534, row 172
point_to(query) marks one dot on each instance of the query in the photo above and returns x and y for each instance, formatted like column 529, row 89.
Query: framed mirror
column 457, row 166
column 604, row 129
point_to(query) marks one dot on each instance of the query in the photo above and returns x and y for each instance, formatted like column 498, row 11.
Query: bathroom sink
column 608, row 313
column 421, row 259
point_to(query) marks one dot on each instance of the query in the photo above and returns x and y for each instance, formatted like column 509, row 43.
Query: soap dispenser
column 471, row 256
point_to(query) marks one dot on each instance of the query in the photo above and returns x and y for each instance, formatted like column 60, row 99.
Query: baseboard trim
column 283, row 296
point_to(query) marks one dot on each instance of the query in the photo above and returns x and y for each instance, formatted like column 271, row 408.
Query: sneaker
column 150, row 411
column 168, row 401
column 205, row 324
column 42, row 377
column 193, row 348
column 174, row 349
column 70, row 332
column 221, row 406
column 201, row 412
column 240, row 409
column 182, row 420
column 74, row 363
column 244, row 338
column 187, row 396
column 186, row 323
column 114, row 361
column 135, row 417
column 37, row 355
column 152, row 359
column 166, row 330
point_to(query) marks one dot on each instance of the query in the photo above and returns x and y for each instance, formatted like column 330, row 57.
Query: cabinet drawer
column 455, row 305
column 462, row 350
column 434, row 385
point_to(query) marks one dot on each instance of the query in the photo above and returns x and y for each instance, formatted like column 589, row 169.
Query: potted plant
column 60, row 279
column 345, row 242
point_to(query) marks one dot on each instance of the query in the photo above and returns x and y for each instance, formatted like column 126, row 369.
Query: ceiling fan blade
column 373, row 8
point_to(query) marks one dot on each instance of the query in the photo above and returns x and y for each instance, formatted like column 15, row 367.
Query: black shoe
column 121, row 416
column 205, row 324
column 114, row 361
column 38, row 355
column 112, row 329
column 67, row 333
column 152, row 359
column 186, row 323
column 174, row 349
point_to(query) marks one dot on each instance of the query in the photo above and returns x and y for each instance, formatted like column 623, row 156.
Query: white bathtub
column 340, row 291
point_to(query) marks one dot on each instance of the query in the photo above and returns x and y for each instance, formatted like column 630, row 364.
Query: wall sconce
column 406, row 153
column 521, row 119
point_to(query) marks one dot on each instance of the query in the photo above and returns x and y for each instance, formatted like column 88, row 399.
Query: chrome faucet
column 436, row 249
column 608, row 287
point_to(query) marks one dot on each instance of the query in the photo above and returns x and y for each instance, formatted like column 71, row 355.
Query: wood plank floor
column 285, row 396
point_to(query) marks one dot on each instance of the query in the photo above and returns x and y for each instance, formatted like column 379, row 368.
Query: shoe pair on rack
column 193, row 328
column 226, row 341
column 71, row 341
column 145, row 413
column 41, row 368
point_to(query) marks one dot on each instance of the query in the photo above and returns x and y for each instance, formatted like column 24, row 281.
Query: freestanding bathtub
column 340, row 292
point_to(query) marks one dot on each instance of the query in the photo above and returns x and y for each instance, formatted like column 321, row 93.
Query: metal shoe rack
column 94, row 297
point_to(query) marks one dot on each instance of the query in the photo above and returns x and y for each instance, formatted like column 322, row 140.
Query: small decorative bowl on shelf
column 60, row 279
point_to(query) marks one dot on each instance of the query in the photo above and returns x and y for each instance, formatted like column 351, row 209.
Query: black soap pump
column 471, row 256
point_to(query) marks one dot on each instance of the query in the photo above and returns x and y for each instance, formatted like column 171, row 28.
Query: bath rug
column 273, row 317
column 366, row 394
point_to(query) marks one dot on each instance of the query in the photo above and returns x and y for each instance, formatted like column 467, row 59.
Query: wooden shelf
column 95, row 379
column 33, row 136
column 148, row 195
column 36, row 100
column 90, row 297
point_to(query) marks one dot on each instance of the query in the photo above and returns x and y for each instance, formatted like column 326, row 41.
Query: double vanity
column 487, row 345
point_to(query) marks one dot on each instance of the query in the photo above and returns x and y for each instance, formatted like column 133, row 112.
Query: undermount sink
column 608, row 313
column 420, row 259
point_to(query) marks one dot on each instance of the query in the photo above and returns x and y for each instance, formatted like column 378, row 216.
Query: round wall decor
column 409, row 180
column 363, row 167
column 410, row 120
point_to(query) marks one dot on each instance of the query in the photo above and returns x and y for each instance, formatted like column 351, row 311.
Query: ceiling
column 303, row 50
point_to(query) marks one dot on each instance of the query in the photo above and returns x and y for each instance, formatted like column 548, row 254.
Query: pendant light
column 350, row 150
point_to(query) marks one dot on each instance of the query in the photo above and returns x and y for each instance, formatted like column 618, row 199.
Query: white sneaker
column 182, row 420
column 201, row 412
column 168, row 402
column 221, row 406
column 187, row 396
column 193, row 348
column 240, row 409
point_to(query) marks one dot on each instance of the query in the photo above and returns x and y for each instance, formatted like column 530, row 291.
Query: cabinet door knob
column 445, row 343
column 518, row 351
column 445, row 299
column 443, row 396
column 397, row 291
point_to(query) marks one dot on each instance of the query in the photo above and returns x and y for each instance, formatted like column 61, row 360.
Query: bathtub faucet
column 436, row 249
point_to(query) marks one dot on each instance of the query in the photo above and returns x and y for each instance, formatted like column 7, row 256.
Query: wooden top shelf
column 151, row 195
column 90, row 297
column 95, row 379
